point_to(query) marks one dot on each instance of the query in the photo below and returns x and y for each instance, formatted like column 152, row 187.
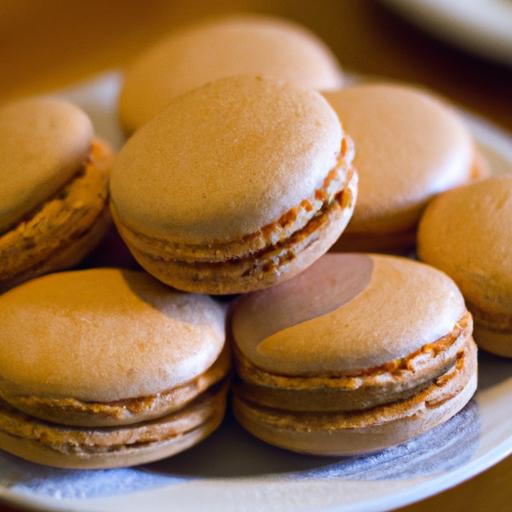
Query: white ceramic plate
column 233, row 472
column 480, row 26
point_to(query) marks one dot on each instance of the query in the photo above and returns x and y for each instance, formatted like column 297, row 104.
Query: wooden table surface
column 51, row 43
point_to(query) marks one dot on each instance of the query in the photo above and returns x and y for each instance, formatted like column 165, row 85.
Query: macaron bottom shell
column 74, row 448
column 359, row 432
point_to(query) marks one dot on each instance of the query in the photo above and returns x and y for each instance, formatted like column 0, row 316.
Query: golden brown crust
column 59, row 222
column 74, row 412
column 387, row 383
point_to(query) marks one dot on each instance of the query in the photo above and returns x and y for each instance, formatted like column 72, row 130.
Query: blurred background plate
column 483, row 27
column 233, row 472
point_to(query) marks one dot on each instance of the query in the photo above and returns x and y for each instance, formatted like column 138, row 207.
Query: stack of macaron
column 108, row 367
column 248, row 160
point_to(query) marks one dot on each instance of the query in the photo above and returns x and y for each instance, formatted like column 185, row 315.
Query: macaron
column 223, row 47
column 410, row 147
column 358, row 353
column 105, row 368
column 237, row 185
column 54, row 192
column 466, row 232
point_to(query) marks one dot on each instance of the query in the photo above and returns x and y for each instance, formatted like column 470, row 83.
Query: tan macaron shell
column 409, row 147
column 466, row 233
column 43, row 141
column 225, row 160
column 219, row 48
column 104, row 335
column 382, row 307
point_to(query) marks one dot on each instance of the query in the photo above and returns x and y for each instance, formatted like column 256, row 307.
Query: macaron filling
column 362, row 389
column 72, row 411
column 208, row 408
column 62, row 220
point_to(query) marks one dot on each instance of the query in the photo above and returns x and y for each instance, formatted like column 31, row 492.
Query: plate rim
column 444, row 20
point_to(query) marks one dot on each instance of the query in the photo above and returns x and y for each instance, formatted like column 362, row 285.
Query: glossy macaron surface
column 43, row 142
column 219, row 48
column 409, row 147
column 361, row 311
column 104, row 335
column 225, row 160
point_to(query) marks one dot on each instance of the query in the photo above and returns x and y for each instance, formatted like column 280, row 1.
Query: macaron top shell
column 467, row 232
column 43, row 142
column 409, row 147
column 361, row 311
column 219, row 48
column 225, row 160
column 103, row 335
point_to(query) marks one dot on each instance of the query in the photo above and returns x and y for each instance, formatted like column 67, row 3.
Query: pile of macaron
column 251, row 171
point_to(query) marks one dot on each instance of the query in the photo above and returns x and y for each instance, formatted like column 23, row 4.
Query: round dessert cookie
column 108, row 367
column 466, row 232
column 236, row 186
column 223, row 47
column 410, row 147
column 54, row 188
column 379, row 352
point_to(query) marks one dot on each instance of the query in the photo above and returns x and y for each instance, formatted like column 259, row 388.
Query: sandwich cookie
column 356, row 354
column 410, row 147
column 106, row 368
column 466, row 233
column 236, row 186
column 54, row 188
column 223, row 47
